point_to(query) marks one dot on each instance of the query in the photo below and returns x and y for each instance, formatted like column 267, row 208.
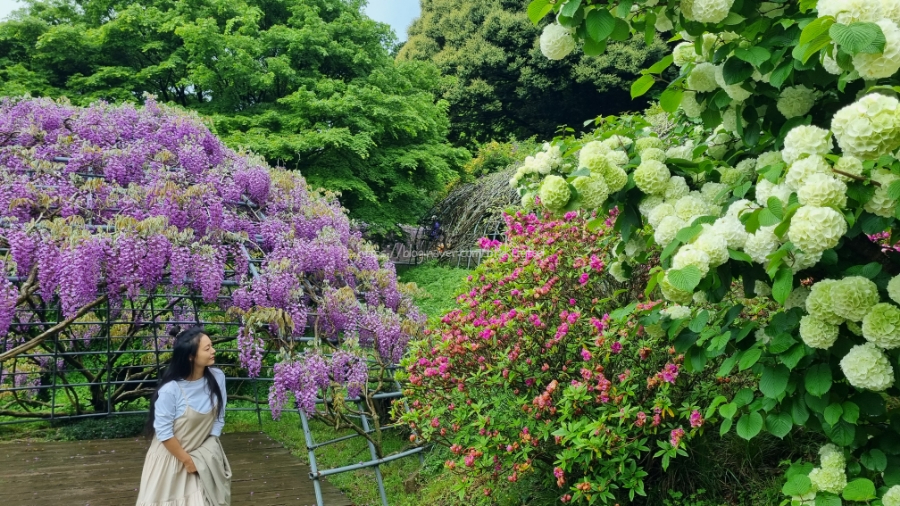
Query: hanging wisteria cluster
column 116, row 202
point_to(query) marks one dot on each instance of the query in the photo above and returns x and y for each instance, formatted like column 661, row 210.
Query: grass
column 438, row 286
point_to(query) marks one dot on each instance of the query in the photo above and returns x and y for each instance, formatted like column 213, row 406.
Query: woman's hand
column 189, row 465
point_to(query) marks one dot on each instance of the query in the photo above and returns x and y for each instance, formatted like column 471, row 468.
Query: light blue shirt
column 172, row 404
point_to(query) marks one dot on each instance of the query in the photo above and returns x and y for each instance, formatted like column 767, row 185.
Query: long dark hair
column 181, row 367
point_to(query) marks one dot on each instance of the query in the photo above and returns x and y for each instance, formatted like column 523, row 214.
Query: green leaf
column 894, row 190
column 739, row 255
column 642, row 85
column 858, row 37
column 818, row 380
column 781, row 74
column 728, row 410
column 749, row 358
column 661, row 65
column 799, row 413
column 670, row 99
column 784, row 283
column 570, row 8
column 860, row 489
column 537, row 9
column 850, row 412
column 727, row 366
column 685, row 279
column 776, row 207
column 842, row 433
column 767, row 218
column 813, row 38
column 736, row 71
column 733, row 18
column 749, row 425
column 774, row 381
column 725, row 426
column 797, row 485
column 833, row 413
column 827, row 499
column 755, row 55
column 874, row 460
column 779, row 424
column 744, row 397
column 699, row 322
column 593, row 48
column 600, row 24
column 687, row 234
column 622, row 31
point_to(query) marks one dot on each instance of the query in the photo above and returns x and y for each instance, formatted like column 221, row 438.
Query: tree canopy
column 309, row 84
column 499, row 84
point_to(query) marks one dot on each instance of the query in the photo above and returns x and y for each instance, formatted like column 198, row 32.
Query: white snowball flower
column 823, row 190
column 739, row 206
column 893, row 289
column 617, row 271
column 797, row 298
column 769, row 158
column 676, row 188
column 617, row 157
column 649, row 203
column 659, row 213
column 890, row 9
column 691, row 255
column 806, row 140
column 881, row 203
column 891, row 497
column 685, row 53
column 714, row 193
column 593, row 155
column 796, row 101
column 881, row 326
column 616, row 178
column 851, row 11
column 690, row 206
column 817, row 333
column 828, row 479
column 802, row 261
column 761, row 244
column 706, row 11
column 690, row 106
column 667, row 229
column 766, row 189
column 819, row 303
column 714, row 245
column 849, row 165
column 729, row 120
column 737, row 92
column 702, row 78
column 802, row 169
column 677, row 312
column 652, row 177
column 663, row 23
column 869, row 127
column 556, row 42
column 684, row 152
column 761, row 289
column 866, row 366
column 885, row 64
column 717, row 143
column 732, row 230
column 815, row 229
column 832, row 456
column 831, row 65
column 653, row 154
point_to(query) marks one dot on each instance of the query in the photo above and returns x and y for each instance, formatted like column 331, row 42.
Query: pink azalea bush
column 538, row 374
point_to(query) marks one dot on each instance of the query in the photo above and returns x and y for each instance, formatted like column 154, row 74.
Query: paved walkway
column 108, row 473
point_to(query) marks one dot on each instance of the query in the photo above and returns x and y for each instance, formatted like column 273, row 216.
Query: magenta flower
column 696, row 419
column 585, row 354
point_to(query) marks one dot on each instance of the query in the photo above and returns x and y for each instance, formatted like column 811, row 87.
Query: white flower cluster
column 556, row 41
column 830, row 476
column 706, row 11
column 796, row 101
column 544, row 162
column 869, row 127
column 677, row 312
column 891, row 497
column 867, row 367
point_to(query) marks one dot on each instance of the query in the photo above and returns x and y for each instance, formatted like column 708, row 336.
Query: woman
column 185, row 465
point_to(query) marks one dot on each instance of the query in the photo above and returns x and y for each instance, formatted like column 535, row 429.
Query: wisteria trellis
column 105, row 205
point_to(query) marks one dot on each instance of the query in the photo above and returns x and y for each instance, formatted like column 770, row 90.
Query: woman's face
column 206, row 354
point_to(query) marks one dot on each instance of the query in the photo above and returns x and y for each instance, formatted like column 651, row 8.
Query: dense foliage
column 762, row 195
column 310, row 85
column 498, row 84
column 148, row 201
column 536, row 371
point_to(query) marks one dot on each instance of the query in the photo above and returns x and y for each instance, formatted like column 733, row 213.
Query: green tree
column 499, row 84
column 309, row 84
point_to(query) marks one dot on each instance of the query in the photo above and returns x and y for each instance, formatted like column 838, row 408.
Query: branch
column 18, row 350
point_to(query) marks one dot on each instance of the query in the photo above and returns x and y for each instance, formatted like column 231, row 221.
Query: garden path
column 108, row 473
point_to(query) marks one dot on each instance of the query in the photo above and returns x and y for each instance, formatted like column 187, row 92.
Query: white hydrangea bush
column 778, row 182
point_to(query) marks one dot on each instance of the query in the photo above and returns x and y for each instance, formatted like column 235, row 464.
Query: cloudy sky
column 397, row 13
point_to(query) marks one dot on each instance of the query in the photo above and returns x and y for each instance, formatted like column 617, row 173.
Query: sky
column 397, row 13
column 7, row 6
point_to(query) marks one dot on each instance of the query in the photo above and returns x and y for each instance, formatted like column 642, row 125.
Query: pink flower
column 696, row 419
column 435, row 422
column 616, row 347
column 584, row 278
column 585, row 354
column 641, row 419
column 675, row 436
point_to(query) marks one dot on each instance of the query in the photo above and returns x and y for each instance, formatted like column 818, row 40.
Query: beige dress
column 166, row 482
